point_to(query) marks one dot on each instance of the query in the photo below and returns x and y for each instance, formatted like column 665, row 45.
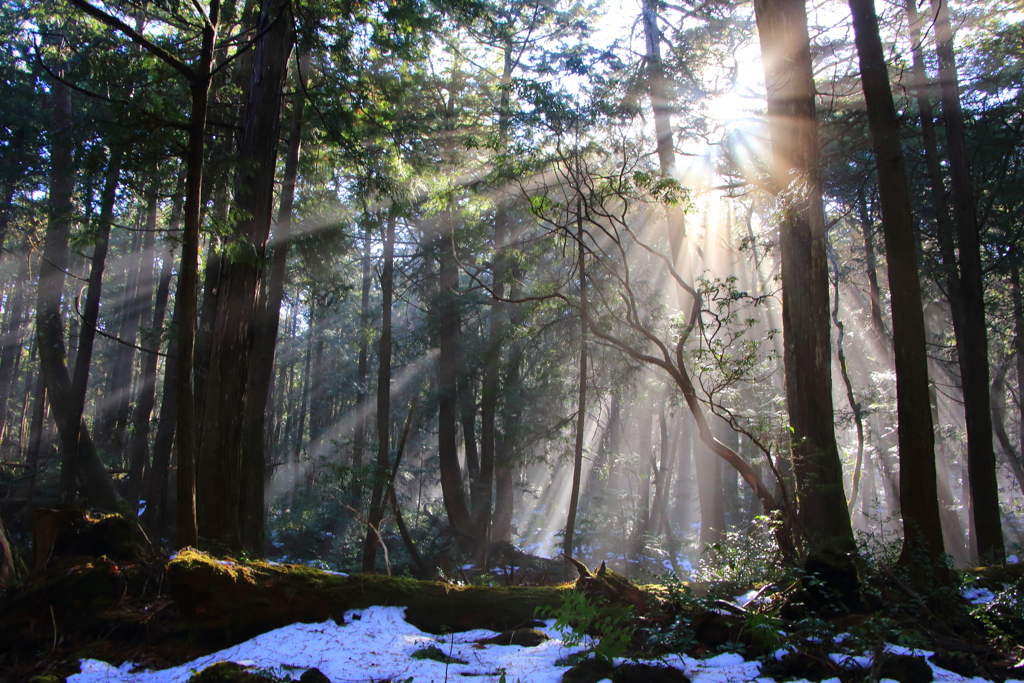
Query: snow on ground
column 377, row 643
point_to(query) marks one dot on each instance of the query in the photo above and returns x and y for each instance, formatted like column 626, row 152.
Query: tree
column 974, row 354
column 922, row 529
column 793, row 131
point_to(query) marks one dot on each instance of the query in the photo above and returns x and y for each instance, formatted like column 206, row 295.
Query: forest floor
column 118, row 618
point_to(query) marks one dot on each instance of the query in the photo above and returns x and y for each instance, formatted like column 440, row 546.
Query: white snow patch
column 978, row 596
column 375, row 644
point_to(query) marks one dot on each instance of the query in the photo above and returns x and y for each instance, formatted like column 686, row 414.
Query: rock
column 588, row 671
column 905, row 669
column 313, row 676
column 229, row 672
column 526, row 637
column 647, row 673
column 712, row 629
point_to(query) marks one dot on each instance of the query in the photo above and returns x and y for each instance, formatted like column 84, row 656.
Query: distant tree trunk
column 974, row 361
column 268, row 319
column 83, row 362
column 709, row 493
column 1018, row 349
column 362, row 408
column 134, row 397
column 952, row 531
column 871, row 260
column 220, row 479
column 999, row 424
column 581, row 400
column 918, row 494
column 140, row 469
column 858, row 417
column 10, row 351
column 449, row 326
column 35, row 439
column 659, row 90
column 647, row 468
column 467, row 415
column 79, row 460
column 792, row 119
column 511, row 417
column 155, row 516
column 120, row 385
column 387, row 285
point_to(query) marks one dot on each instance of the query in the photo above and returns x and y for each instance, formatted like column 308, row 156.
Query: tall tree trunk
column 140, row 469
column 362, row 409
column 267, row 325
column 659, row 90
column 387, row 285
column 155, row 516
column 918, row 494
column 1018, row 350
column 220, row 479
column 974, row 361
column 793, row 128
column 449, row 326
column 188, row 278
column 79, row 460
column 90, row 315
column 581, row 400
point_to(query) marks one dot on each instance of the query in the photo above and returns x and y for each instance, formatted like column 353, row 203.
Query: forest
column 698, row 290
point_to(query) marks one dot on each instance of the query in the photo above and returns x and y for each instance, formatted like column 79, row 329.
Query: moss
column 229, row 672
column 231, row 601
column 436, row 654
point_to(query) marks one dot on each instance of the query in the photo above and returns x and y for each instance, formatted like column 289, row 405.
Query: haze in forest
column 416, row 285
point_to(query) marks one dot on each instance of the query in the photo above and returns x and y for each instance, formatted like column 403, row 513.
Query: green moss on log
column 232, row 601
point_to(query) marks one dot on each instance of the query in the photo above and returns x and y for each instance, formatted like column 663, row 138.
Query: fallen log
column 231, row 601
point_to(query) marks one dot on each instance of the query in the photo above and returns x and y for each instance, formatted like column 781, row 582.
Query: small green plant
column 606, row 629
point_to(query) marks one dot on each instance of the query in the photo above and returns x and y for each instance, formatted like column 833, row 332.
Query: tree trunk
column 858, row 417
column 90, row 315
column 188, row 277
column 871, row 260
column 267, row 325
column 974, row 361
column 447, row 447
column 785, row 50
column 10, row 351
column 155, row 516
column 362, row 407
column 387, row 285
column 79, row 460
column 581, row 401
column 140, row 469
column 220, row 479
column 918, row 495
column 120, row 385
